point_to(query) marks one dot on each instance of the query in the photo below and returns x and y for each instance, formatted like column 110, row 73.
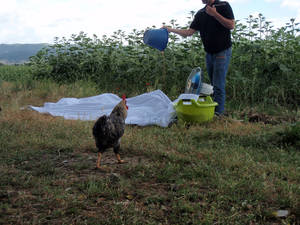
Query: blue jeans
column 217, row 67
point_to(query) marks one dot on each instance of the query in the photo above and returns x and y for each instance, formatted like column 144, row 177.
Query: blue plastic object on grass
column 157, row 38
column 194, row 82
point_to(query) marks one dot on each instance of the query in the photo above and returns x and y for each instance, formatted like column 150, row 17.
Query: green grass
column 223, row 172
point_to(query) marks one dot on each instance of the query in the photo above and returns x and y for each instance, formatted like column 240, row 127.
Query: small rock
column 68, row 189
column 281, row 213
column 125, row 203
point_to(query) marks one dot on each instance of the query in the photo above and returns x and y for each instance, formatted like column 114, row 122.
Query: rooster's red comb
column 124, row 99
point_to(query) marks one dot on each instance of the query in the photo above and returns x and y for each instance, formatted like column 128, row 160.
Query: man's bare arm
column 182, row 32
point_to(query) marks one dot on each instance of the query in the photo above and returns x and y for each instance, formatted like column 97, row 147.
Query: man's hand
column 168, row 28
column 212, row 11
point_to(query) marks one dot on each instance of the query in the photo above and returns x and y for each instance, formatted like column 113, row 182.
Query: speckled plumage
column 108, row 130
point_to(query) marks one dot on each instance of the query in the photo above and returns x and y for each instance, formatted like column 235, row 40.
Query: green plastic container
column 199, row 111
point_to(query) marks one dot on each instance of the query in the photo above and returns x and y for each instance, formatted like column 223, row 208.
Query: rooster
column 108, row 130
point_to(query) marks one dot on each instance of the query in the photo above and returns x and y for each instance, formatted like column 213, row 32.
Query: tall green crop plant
column 264, row 66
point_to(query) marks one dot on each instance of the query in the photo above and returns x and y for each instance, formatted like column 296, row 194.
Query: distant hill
column 18, row 53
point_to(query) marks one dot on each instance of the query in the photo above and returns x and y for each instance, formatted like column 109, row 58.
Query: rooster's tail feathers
column 100, row 125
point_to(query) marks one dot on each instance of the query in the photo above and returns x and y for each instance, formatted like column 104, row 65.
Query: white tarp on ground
column 154, row 108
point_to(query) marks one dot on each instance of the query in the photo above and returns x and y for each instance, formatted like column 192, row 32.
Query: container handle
column 209, row 99
column 186, row 102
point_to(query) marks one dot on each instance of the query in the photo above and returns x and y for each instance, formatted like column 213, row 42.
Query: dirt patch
column 258, row 117
column 84, row 163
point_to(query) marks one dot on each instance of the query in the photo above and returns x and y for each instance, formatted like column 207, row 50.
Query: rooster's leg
column 98, row 160
column 119, row 158
column 116, row 151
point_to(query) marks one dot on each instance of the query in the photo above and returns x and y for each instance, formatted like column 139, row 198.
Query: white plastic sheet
column 154, row 108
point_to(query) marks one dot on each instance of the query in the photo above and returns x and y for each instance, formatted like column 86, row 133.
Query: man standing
column 214, row 23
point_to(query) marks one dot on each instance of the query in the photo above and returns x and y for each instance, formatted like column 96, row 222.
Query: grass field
column 229, row 171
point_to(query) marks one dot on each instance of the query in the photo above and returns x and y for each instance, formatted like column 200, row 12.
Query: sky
column 40, row 21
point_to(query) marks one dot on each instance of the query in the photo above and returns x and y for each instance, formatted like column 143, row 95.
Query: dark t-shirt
column 214, row 35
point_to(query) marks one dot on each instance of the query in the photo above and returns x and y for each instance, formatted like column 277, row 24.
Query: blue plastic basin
column 157, row 38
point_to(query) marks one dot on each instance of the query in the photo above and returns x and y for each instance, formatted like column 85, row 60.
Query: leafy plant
column 264, row 67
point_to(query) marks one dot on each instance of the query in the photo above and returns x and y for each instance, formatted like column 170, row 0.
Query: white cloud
column 31, row 21
column 46, row 19
column 291, row 3
column 8, row 6
column 273, row 0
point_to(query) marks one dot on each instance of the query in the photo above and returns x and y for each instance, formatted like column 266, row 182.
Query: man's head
column 208, row 2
